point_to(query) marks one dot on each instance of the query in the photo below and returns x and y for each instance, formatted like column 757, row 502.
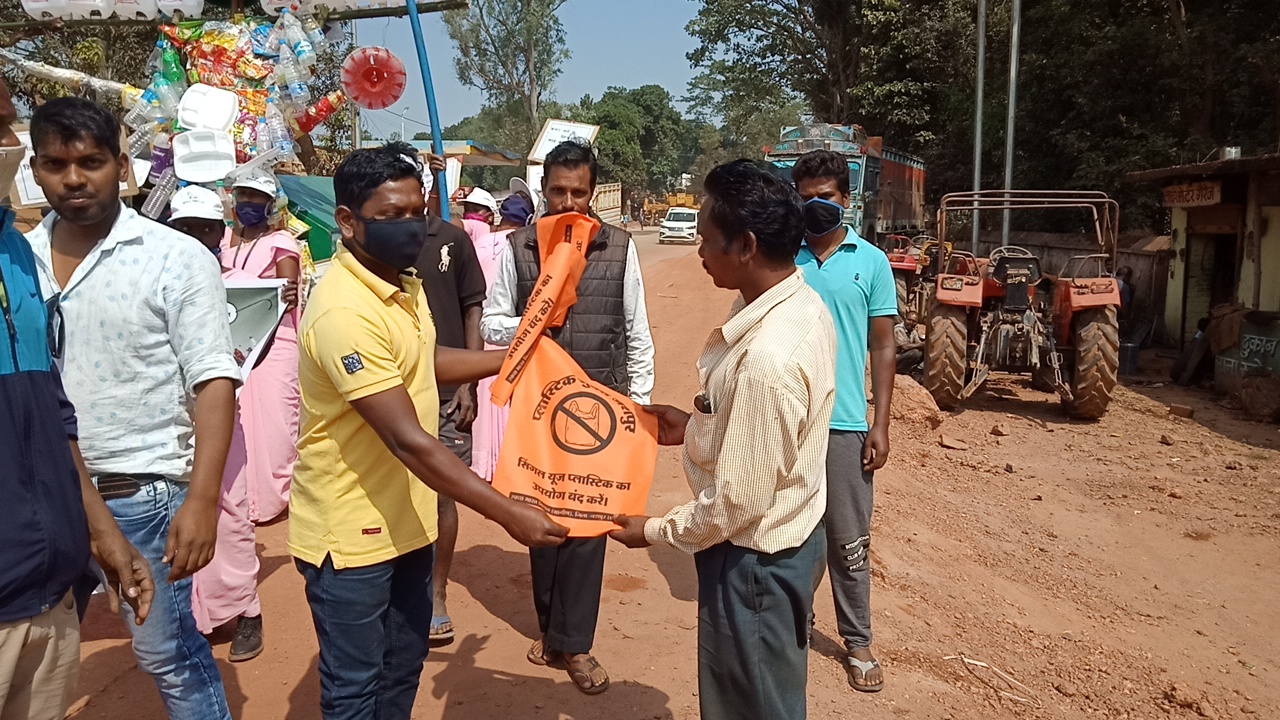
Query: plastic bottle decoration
column 315, row 115
column 373, row 77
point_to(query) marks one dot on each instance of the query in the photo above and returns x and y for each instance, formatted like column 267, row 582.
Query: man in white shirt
column 607, row 334
column 148, row 364
column 755, row 453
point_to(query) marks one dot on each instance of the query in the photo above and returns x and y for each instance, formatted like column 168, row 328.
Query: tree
column 811, row 47
column 512, row 50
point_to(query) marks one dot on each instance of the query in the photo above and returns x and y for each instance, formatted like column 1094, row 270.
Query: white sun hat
column 483, row 198
column 196, row 202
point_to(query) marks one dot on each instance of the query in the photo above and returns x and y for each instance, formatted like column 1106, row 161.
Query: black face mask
column 396, row 243
column 821, row 216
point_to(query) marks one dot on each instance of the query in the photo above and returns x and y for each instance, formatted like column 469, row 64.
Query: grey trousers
column 848, row 521
column 754, row 614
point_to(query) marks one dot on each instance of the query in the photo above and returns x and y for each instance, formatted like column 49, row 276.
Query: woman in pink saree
column 255, row 486
column 491, row 420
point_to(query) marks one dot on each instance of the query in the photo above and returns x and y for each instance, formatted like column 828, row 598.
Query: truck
column 887, row 186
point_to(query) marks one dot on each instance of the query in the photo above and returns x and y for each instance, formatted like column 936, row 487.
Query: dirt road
column 1121, row 569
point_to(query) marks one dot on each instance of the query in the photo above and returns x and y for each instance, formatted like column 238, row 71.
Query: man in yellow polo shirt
column 363, row 506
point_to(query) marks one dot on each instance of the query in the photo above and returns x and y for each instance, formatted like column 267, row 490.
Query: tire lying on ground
column 1096, row 336
column 946, row 354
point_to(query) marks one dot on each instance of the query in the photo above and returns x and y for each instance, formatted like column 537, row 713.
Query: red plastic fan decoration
column 373, row 77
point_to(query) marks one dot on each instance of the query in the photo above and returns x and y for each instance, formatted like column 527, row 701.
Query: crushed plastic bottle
column 290, row 76
column 160, row 194
column 315, row 33
column 278, row 130
column 145, row 110
column 296, row 37
column 168, row 95
column 171, row 67
column 139, row 141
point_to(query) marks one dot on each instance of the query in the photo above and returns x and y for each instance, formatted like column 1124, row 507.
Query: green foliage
column 512, row 50
column 1106, row 86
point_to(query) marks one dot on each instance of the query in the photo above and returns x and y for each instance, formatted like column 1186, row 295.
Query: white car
column 679, row 226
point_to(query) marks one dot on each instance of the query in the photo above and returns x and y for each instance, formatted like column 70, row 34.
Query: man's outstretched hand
column 531, row 527
column 631, row 530
column 672, row 422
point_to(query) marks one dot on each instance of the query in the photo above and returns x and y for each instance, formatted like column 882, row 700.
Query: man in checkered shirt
column 755, row 454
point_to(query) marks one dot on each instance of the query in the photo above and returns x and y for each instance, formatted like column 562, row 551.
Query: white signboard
column 27, row 194
column 254, row 309
column 555, row 132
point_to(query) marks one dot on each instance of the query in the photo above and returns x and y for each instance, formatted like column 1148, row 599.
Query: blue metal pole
column 437, row 142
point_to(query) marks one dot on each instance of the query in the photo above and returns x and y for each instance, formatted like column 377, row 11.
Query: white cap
column 260, row 180
column 194, row 201
column 483, row 198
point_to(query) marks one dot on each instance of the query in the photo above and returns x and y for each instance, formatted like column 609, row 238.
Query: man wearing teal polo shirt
column 855, row 281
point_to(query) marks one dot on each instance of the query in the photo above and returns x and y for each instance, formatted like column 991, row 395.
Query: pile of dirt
column 912, row 404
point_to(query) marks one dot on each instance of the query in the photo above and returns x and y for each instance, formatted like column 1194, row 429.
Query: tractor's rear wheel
column 946, row 354
column 900, row 284
column 1096, row 335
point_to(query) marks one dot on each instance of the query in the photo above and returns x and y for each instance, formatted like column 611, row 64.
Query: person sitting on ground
column 910, row 343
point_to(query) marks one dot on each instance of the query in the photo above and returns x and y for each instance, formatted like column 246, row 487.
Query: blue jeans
column 374, row 625
column 168, row 646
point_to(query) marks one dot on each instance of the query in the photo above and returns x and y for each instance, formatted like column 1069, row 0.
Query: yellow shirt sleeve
column 355, row 351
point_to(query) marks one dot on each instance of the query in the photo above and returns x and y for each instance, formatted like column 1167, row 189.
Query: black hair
column 822, row 165
column 364, row 171
column 72, row 118
column 571, row 155
column 749, row 196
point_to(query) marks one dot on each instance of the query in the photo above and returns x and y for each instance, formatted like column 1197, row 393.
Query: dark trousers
column 566, row 592
column 754, row 615
column 850, row 500
column 373, row 624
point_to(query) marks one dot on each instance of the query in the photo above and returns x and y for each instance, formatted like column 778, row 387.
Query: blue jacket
column 44, row 534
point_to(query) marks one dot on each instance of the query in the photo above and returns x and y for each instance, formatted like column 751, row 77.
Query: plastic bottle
column 45, row 9
column 315, row 33
column 136, row 9
column 171, row 67
column 161, row 157
column 296, row 37
column 189, row 9
column 278, row 130
column 86, row 9
column 160, row 194
column 291, row 76
column 315, row 115
column 227, row 203
column 145, row 110
column 140, row 140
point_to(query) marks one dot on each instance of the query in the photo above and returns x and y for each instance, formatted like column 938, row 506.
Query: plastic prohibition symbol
column 373, row 77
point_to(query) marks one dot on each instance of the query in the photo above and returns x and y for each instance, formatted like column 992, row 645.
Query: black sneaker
column 247, row 644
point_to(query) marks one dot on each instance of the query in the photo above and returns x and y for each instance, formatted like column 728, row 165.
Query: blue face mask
column 251, row 214
column 822, row 216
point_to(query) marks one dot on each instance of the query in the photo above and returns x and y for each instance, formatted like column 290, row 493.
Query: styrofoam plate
column 205, row 107
column 203, row 156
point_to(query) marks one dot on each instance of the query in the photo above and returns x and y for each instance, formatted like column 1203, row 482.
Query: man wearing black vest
column 607, row 333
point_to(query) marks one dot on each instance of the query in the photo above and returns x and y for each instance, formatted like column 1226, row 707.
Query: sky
column 626, row 43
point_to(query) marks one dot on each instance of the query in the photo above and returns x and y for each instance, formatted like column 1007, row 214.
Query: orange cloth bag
column 578, row 450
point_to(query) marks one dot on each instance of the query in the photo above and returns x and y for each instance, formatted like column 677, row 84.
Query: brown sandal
column 538, row 656
column 590, row 688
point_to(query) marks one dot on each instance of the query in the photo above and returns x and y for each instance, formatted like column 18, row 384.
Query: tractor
column 1005, row 313
column 916, row 263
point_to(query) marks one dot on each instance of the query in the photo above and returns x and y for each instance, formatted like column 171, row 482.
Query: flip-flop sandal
column 439, row 631
column 864, row 667
column 591, row 688
column 538, row 656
